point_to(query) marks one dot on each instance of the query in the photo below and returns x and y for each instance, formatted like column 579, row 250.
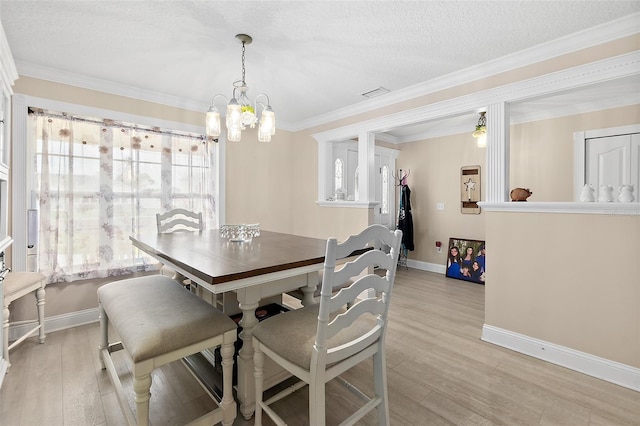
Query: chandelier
column 240, row 112
column 481, row 131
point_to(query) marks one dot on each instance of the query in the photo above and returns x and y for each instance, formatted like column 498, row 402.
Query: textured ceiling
column 310, row 57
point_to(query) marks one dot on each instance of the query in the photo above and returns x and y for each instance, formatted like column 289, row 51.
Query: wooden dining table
column 268, row 265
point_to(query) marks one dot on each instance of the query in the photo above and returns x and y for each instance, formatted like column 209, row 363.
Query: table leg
column 309, row 289
column 248, row 300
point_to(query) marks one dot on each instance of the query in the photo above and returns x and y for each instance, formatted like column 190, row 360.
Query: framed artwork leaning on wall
column 466, row 260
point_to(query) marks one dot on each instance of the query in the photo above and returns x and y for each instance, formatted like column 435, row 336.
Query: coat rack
column 400, row 178
column 405, row 221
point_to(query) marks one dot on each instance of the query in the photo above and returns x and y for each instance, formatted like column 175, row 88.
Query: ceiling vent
column 375, row 92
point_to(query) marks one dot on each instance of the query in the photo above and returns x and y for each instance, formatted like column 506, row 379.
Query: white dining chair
column 178, row 220
column 324, row 340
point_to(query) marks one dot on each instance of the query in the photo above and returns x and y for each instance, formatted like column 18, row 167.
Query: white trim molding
column 56, row 323
column 614, row 208
column 601, row 368
column 580, row 76
column 426, row 266
column 349, row 204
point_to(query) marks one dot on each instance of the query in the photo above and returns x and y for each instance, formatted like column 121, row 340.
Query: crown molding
column 8, row 70
column 631, row 98
column 580, row 76
column 29, row 69
column 586, row 38
column 589, row 37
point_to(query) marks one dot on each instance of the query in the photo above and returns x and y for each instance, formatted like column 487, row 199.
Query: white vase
column 605, row 194
column 587, row 194
column 625, row 194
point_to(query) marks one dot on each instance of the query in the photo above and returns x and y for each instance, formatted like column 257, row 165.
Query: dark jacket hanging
column 405, row 220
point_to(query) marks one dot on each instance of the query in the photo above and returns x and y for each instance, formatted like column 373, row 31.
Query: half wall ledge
column 613, row 208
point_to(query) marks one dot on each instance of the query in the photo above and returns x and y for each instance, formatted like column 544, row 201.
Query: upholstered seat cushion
column 292, row 334
column 20, row 282
column 154, row 315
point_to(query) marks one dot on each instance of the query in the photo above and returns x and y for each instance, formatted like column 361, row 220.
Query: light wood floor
column 439, row 373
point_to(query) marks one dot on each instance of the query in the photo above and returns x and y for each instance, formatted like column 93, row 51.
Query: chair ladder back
column 370, row 237
column 377, row 307
column 353, row 347
column 350, row 294
column 179, row 220
column 374, row 307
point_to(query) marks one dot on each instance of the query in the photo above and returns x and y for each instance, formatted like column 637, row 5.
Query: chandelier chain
column 243, row 49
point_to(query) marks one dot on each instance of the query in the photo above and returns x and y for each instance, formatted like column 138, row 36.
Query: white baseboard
column 426, row 266
column 56, row 323
column 611, row 371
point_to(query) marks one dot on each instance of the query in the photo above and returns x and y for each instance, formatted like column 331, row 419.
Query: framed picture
column 470, row 189
column 466, row 260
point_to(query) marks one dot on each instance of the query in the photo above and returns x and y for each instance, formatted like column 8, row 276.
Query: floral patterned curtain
column 96, row 182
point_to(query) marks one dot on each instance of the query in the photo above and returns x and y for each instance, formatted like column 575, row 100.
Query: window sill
column 626, row 209
column 351, row 204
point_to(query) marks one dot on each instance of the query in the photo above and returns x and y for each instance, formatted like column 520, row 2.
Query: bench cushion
column 18, row 282
column 155, row 315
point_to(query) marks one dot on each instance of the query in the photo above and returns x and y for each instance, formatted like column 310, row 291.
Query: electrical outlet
column 440, row 206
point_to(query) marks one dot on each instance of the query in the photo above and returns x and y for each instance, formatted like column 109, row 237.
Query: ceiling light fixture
column 481, row 131
column 240, row 112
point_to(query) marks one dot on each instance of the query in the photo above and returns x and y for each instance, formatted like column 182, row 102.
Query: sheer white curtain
column 98, row 182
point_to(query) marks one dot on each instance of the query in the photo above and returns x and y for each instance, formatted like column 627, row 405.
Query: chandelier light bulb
column 267, row 126
column 481, row 131
column 213, row 123
column 234, row 116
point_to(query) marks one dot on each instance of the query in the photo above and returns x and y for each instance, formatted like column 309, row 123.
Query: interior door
column 609, row 162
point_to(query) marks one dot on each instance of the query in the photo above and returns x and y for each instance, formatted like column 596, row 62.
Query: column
column 497, row 162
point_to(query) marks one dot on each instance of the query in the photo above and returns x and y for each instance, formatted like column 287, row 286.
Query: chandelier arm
column 266, row 96
column 213, row 100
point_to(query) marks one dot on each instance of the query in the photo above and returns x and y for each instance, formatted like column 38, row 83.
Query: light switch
column 439, row 206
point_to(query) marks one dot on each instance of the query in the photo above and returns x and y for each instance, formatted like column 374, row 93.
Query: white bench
column 158, row 323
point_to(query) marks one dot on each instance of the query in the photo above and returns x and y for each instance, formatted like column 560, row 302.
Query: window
column 338, row 174
column 96, row 182
column 356, row 181
column 384, row 208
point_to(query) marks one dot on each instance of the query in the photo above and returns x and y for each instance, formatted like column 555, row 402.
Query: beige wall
column 258, row 181
column 308, row 218
column 567, row 279
column 435, row 177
